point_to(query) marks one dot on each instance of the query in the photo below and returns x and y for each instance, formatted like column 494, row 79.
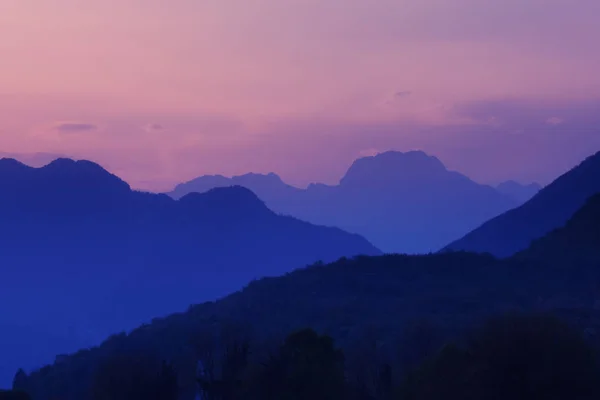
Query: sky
column 162, row 91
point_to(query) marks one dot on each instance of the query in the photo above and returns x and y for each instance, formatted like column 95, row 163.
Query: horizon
column 42, row 160
column 162, row 94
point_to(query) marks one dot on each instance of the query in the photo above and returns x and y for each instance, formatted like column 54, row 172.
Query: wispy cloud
column 402, row 93
column 75, row 127
column 399, row 97
column 554, row 121
column 153, row 127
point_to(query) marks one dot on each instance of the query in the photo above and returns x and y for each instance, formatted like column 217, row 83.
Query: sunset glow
column 159, row 92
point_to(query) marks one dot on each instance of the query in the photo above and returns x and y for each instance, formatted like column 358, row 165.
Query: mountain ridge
column 549, row 209
column 434, row 298
column 393, row 166
column 577, row 241
column 99, row 252
column 402, row 202
column 518, row 191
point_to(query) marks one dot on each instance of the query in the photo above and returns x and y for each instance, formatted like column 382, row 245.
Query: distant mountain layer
column 518, row 192
column 401, row 202
column 432, row 297
column 551, row 208
column 81, row 252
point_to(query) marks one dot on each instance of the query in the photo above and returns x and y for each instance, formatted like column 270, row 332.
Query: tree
column 529, row 357
column 440, row 377
column 511, row 357
column 227, row 384
column 135, row 377
column 20, row 380
column 14, row 395
column 307, row 366
column 166, row 383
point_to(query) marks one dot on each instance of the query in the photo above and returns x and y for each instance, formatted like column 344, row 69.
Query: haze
column 160, row 92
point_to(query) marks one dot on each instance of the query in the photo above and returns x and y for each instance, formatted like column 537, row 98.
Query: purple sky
column 160, row 92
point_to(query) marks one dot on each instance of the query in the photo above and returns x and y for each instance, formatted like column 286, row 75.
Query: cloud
column 397, row 97
column 153, row 127
column 403, row 93
column 533, row 114
column 554, row 121
column 75, row 127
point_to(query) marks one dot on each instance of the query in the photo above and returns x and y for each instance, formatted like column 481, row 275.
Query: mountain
column 401, row 202
column 577, row 242
column 518, row 192
column 269, row 187
column 33, row 159
column 435, row 298
column 83, row 253
column 550, row 209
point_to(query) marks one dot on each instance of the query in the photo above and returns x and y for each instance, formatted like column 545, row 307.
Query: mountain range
column 395, row 306
column 111, row 258
column 549, row 209
column 401, row 202
column 576, row 242
column 517, row 191
column 105, row 258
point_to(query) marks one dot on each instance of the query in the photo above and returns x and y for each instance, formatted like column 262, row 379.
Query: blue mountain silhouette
column 82, row 252
column 519, row 192
column 549, row 209
column 401, row 202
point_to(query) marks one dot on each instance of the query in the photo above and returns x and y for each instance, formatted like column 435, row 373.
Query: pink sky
column 162, row 91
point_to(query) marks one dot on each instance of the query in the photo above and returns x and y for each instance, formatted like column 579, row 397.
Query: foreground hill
column 577, row 242
column 401, row 202
column 551, row 208
column 83, row 255
column 396, row 308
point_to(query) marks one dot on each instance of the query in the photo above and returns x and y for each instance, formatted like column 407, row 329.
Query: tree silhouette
column 20, row 380
column 228, row 383
column 511, row 357
column 135, row 377
column 166, row 383
column 307, row 366
column 14, row 395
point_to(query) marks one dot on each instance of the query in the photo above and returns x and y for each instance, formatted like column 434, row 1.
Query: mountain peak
column 270, row 177
column 9, row 165
column 82, row 172
column 403, row 202
column 68, row 164
column 65, row 185
column 393, row 166
column 263, row 185
column 230, row 199
column 61, row 162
